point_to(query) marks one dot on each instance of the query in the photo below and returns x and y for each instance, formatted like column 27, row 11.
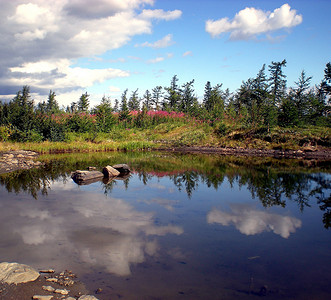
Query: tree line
column 261, row 101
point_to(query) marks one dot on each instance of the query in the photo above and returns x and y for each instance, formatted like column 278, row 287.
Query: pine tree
column 147, row 100
column 277, row 81
column 52, row 105
column 124, row 113
column 83, row 103
column 105, row 118
column 156, row 97
column 207, row 97
column 187, row 97
column 133, row 102
column 172, row 100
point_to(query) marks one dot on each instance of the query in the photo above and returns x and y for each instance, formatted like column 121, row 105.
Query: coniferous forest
column 262, row 111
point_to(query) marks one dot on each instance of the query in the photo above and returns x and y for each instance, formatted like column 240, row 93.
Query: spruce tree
column 83, row 103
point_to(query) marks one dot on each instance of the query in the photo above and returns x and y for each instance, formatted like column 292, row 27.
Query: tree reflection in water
column 273, row 182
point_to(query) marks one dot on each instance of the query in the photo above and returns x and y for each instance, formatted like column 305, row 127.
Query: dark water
column 179, row 227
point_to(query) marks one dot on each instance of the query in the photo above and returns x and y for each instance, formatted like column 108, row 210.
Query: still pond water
column 179, row 227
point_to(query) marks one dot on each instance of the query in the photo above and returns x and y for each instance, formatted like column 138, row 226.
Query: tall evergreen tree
column 103, row 112
column 172, row 99
column 83, row 103
column 133, row 102
column 207, row 103
column 157, row 94
column 52, row 105
column 21, row 110
column 326, row 82
column 187, row 98
column 277, row 81
column 147, row 100
column 124, row 113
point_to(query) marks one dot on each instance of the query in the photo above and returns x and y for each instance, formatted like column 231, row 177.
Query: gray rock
column 87, row 297
column 122, row 168
column 17, row 273
column 109, row 171
column 86, row 177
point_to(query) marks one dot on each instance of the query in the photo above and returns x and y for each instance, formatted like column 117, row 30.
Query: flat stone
column 17, row 273
column 47, row 271
column 62, row 292
column 48, row 288
column 40, row 297
column 87, row 297
column 52, row 279
column 81, row 177
column 70, row 298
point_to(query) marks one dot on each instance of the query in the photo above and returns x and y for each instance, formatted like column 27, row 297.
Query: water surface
column 179, row 227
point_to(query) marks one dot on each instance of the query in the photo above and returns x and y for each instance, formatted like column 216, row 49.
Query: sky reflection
column 102, row 231
column 250, row 221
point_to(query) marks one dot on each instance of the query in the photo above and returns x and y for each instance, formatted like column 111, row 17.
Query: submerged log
column 109, row 171
column 86, row 177
column 122, row 168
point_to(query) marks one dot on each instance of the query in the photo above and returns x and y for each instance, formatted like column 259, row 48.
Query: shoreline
column 14, row 160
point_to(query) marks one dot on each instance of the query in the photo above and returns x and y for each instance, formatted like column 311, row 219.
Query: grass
column 180, row 135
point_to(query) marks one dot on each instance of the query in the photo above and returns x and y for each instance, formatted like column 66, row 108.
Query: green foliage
column 5, row 133
column 262, row 101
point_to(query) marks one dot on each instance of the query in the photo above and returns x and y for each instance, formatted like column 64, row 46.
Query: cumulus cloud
column 250, row 22
column 162, row 43
column 251, row 221
column 41, row 42
column 161, row 14
column 60, row 73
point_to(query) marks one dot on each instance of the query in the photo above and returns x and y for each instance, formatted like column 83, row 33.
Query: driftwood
column 86, row 177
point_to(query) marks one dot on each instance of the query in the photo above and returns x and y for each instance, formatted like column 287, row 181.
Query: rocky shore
column 19, row 281
column 304, row 153
column 18, row 160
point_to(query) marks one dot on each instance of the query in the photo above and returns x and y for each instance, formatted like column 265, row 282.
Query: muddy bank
column 18, row 160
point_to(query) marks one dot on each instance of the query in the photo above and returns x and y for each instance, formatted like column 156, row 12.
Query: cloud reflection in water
column 101, row 231
column 251, row 221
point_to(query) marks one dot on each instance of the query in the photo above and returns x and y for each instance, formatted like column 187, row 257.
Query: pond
column 179, row 227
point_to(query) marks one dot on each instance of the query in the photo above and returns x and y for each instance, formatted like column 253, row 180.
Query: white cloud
column 162, row 43
column 187, row 53
column 155, row 60
column 160, row 14
column 250, row 22
column 64, row 75
column 250, row 221
column 42, row 41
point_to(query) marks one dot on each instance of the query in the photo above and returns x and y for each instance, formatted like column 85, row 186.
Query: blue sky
column 106, row 46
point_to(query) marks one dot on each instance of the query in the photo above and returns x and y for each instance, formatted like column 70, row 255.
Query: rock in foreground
column 17, row 273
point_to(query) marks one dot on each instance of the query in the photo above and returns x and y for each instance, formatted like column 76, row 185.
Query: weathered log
column 122, row 168
column 109, row 171
column 86, row 177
